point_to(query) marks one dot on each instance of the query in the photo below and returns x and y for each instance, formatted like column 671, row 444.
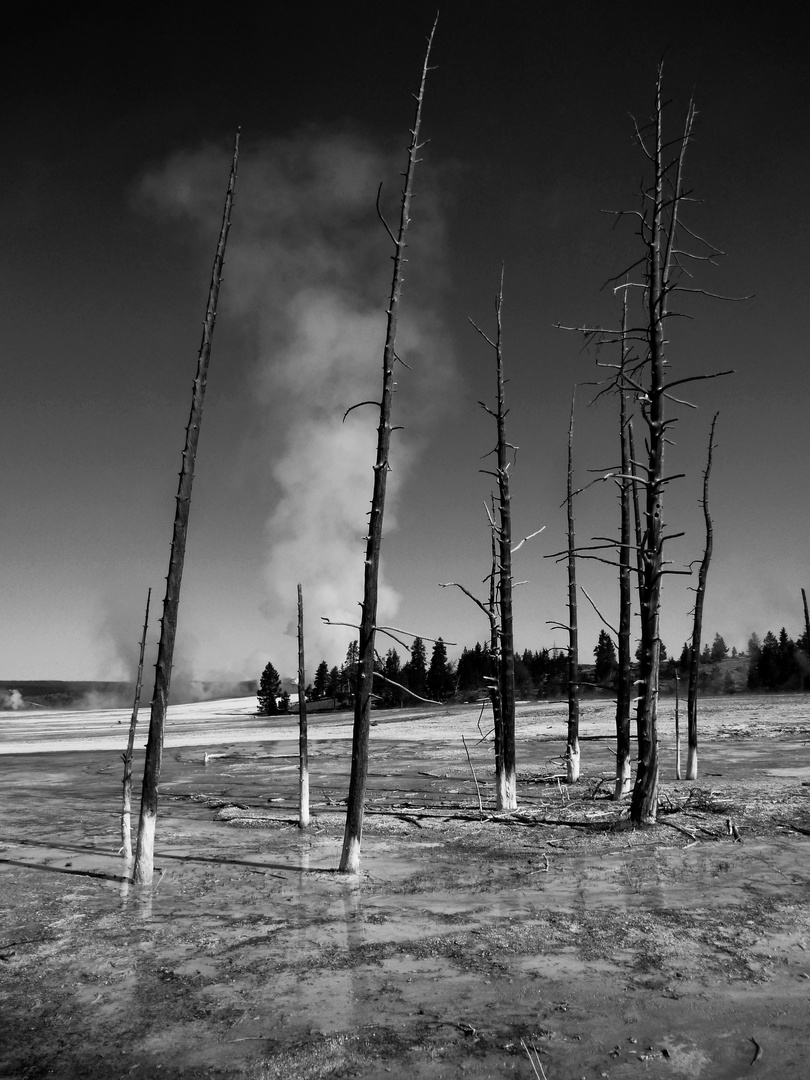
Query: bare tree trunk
column 126, row 805
column 507, row 681
column 806, row 621
column 506, row 650
column 631, row 444
column 663, row 259
column 303, row 759
column 350, row 856
column 677, row 725
column 491, row 610
column 495, row 685
column 697, row 626
column 144, row 852
column 624, row 688
column 572, row 752
column 659, row 227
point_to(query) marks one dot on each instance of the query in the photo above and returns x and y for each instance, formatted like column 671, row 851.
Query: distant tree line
column 775, row 663
column 779, row 663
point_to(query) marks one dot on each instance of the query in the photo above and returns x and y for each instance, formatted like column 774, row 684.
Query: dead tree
column 303, row 757
column 806, row 623
column 492, row 611
column 697, row 625
column 493, row 684
column 126, row 805
column 658, row 220
column 350, row 856
column 624, row 686
column 663, row 261
column 572, row 742
column 677, row 724
column 503, row 528
column 662, row 266
column 144, row 852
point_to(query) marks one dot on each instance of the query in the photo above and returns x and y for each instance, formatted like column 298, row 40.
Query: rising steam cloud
column 309, row 264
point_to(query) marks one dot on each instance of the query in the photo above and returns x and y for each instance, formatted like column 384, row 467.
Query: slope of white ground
column 211, row 724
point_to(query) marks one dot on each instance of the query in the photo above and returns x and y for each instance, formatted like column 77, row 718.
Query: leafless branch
column 359, row 405
column 382, row 219
column 531, row 536
column 475, row 600
column 598, row 612
column 399, row 686
column 486, row 338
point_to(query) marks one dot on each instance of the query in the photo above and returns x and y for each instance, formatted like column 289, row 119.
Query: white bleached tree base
column 692, row 764
column 623, row 786
column 126, row 834
column 144, row 868
column 350, row 859
column 303, row 800
column 572, row 764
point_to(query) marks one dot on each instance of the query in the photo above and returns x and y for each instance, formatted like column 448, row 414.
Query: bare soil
column 673, row 951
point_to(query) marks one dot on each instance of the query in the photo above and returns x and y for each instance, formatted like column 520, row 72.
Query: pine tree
column 439, row 676
column 473, row 665
column 719, row 649
column 417, row 668
column 786, row 658
column 269, row 691
column 347, row 679
column 332, row 685
column 321, row 681
column 606, row 660
column 392, row 669
column 768, row 663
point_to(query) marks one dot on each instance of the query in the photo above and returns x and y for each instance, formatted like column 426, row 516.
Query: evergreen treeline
column 435, row 681
column 778, row 663
column 775, row 663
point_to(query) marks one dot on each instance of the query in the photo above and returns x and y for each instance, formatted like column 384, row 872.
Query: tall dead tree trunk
column 659, row 220
column 503, row 529
column 126, row 805
column 350, row 855
column 677, row 724
column 492, row 610
column 494, row 648
column 624, row 687
column 697, row 625
column 806, row 623
column 631, row 445
column 572, row 752
column 663, row 258
column 303, row 753
column 144, row 852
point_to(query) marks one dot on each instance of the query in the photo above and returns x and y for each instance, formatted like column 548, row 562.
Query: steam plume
column 309, row 264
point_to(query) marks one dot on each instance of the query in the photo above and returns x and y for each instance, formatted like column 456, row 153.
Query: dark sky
column 117, row 134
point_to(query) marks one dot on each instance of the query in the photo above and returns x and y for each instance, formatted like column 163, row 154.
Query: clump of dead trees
column 650, row 288
column 635, row 355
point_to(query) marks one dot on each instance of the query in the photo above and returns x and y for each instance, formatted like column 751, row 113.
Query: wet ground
column 674, row 951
